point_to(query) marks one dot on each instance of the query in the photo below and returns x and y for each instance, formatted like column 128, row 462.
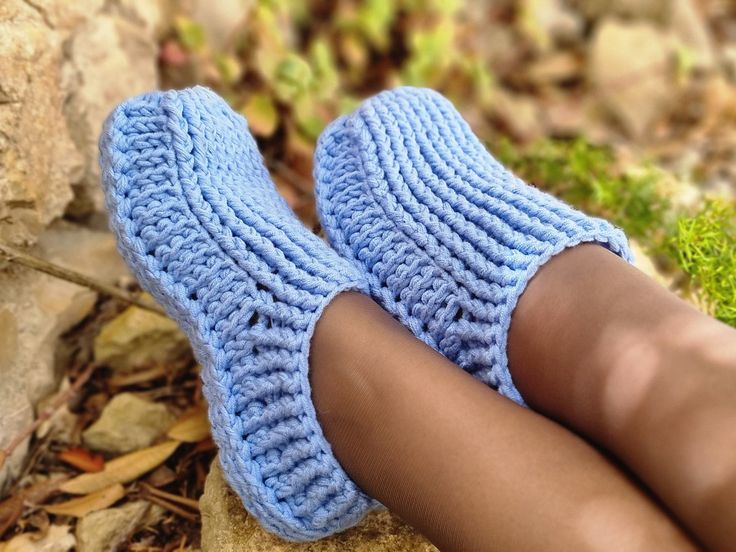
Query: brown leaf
column 82, row 459
column 10, row 511
column 78, row 507
column 122, row 469
column 192, row 427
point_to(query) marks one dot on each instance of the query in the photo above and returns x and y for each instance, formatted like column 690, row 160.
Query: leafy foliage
column 587, row 176
column 702, row 245
column 705, row 249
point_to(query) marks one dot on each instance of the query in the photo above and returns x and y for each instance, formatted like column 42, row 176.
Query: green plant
column 702, row 245
column 588, row 176
column 705, row 249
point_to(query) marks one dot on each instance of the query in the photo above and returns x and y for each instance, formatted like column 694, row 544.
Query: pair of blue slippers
column 419, row 216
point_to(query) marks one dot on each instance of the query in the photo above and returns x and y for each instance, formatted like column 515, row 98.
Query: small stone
column 227, row 527
column 138, row 338
column 128, row 423
column 105, row 530
column 631, row 69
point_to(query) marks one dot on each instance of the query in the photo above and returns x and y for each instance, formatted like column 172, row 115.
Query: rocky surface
column 127, row 423
column 227, row 527
column 139, row 338
column 36, row 310
column 63, row 65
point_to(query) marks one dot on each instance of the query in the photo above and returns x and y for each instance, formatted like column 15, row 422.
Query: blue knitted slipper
column 201, row 225
column 447, row 237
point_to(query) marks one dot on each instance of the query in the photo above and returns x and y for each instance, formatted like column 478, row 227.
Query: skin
column 468, row 468
column 604, row 350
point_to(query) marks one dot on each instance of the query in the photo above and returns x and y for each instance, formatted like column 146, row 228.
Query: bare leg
column 467, row 467
column 600, row 347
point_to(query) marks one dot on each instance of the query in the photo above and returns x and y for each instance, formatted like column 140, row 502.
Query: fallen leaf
column 10, row 511
column 78, row 507
column 261, row 113
column 122, row 469
column 82, row 459
column 57, row 539
column 192, row 427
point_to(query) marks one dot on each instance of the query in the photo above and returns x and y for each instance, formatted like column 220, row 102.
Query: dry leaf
column 192, row 427
column 57, row 539
column 82, row 459
column 10, row 510
column 78, row 507
column 262, row 115
column 121, row 470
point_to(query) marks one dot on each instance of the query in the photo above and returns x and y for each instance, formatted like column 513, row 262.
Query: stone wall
column 63, row 66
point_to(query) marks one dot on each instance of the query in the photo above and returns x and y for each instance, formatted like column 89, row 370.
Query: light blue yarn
column 201, row 225
column 447, row 237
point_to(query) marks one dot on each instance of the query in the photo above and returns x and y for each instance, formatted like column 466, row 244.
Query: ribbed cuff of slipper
column 448, row 238
column 199, row 222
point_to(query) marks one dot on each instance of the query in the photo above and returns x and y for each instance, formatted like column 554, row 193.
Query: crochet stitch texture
column 447, row 237
column 201, row 225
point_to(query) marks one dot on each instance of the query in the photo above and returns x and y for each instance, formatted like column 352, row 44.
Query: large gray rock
column 36, row 310
column 227, row 527
column 127, row 423
column 63, row 65
column 631, row 70
column 38, row 158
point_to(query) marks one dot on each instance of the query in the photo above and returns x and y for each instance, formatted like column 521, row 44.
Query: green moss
column 588, row 176
column 702, row 245
column 705, row 249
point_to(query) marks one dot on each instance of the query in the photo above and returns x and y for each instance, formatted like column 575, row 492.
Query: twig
column 184, row 501
column 56, row 403
column 290, row 176
column 57, row 271
column 181, row 512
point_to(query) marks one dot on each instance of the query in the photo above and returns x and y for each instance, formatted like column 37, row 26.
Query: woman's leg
column 467, row 467
column 600, row 347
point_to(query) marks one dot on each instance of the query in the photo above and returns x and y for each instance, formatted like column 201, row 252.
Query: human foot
column 447, row 237
column 200, row 224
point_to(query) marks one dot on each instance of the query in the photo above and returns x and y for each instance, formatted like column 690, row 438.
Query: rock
column 56, row 539
column 63, row 66
column 37, row 154
column 105, row 530
column 630, row 68
column 36, row 310
column 138, row 338
column 128, row 423
column 102, row 50
column 227, row 527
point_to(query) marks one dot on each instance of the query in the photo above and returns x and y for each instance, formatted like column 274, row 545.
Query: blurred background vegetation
column 623, row 108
